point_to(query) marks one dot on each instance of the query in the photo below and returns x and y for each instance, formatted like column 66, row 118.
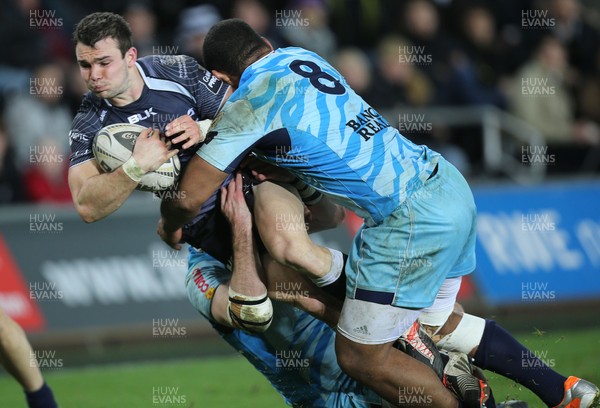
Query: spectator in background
column 194, row 23
column 399, row 79
column 46, row 177
column 422, row 26
column 356, row 68
column 15, row 34
column 541, row 96
column 483, row 46
column 11, row 182
column 581, row 40
column 476, row 65
column 361, row 23
column 540, row 93
column 306, row 24
column 142, row 21
column 259, row 18
column 39, row 113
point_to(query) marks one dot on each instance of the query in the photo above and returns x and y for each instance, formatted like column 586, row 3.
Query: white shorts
column 372, row 323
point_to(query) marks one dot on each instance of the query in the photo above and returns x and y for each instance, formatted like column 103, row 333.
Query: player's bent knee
column 253, row 314
column 280, row 249
column 358, row 361
column 291, row 251
column 346, row 358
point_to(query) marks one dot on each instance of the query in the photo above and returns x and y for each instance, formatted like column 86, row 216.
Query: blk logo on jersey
column 138, row 117
column 212, row 82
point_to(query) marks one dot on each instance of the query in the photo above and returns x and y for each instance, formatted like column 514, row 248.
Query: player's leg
column 364, row 347
column 444, row 315
column 401, row 264
column 495, row 349
column 279, row 218
column 287, row 285
column 16, row 355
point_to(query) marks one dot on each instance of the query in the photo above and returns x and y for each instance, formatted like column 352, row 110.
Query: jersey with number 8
column 295, row 110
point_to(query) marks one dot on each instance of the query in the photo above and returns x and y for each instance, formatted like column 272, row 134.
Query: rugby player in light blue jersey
column 292, row 109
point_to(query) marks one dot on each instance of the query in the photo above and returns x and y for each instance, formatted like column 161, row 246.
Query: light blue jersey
column 296, row 354
column 295, row 110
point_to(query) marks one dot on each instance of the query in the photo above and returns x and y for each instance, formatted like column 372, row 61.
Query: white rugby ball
column 113, row 146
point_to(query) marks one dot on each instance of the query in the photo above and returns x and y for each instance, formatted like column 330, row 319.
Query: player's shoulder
column 297, row 52
column 91, row 109
column 159, row 65
column 279, row 62
column 89, row 102
column 182, row 69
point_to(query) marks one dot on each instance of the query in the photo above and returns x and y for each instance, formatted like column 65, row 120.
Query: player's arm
column 210, row 95
column 248, row 306
column 186, row 130
column 96, row 194
column 199, row 180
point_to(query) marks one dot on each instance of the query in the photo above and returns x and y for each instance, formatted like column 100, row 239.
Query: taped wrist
column 133, row 170
column 308, row 194
column 249, row 313
column 203, row 126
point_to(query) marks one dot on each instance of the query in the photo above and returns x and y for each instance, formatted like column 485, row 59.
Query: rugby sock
column 42, row 398
column 501, row 353
column 337, row 288
column 335, row 270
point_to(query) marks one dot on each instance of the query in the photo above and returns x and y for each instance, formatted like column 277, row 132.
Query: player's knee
column 286, row 250
column 356, row 360
column 346, row 359
column 253, row 314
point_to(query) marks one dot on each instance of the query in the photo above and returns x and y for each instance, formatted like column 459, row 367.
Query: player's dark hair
column 231, row 45
column 98, row 26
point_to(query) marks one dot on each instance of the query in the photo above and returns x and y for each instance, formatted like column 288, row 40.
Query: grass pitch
column 231, row 382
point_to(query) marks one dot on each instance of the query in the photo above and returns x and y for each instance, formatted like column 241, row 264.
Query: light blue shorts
column 430, row 237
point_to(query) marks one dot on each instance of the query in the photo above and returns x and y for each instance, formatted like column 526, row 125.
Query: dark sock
column 337, row 289
column 42, row 398
column 501, row 353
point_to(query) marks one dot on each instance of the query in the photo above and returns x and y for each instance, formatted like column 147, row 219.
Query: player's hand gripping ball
column 113, row 146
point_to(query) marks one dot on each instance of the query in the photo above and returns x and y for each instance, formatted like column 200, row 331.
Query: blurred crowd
column 538, row 59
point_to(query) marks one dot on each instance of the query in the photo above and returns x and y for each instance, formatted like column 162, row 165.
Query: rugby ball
column 113, row 146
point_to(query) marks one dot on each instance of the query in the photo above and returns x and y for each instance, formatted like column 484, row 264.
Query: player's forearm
column 175, row 215
column 103, row 194
column 198, row 183
column 245, row 278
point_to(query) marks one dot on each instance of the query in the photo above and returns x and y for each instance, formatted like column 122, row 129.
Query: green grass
column 220, row 382
column 226, row 382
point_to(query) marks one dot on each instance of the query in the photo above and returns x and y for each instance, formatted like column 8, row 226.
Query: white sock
column 337, row 263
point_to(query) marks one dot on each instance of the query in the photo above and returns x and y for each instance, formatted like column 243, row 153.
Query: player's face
column 103, row 68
